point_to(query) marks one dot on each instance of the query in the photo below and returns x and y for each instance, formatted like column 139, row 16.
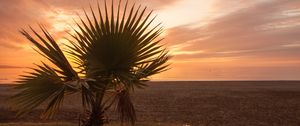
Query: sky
column 208, row 39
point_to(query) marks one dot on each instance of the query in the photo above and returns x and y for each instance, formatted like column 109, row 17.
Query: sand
column 209, row 103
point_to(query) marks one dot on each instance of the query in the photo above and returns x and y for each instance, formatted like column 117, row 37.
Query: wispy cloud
column 9, row 67
column 244, row 32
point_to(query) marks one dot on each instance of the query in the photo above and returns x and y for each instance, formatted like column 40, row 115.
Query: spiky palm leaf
column 115, row 53
column 45, row 84
column 121, row 47
column 40, row 86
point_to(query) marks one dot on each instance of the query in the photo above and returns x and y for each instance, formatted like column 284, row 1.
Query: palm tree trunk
column 94, row 118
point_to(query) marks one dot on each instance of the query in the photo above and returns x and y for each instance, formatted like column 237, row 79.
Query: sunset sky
column 209, row 39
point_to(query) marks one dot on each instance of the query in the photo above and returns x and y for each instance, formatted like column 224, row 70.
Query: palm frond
column 125, row 107
column 50, row 50
column 118, row 46
column 41, row 86
column 45, row 84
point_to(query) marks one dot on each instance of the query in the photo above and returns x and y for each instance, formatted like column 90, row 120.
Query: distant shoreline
column 222, row 80
column 158, row 81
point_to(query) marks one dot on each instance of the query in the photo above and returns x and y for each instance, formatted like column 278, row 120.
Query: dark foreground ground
column 212, row 103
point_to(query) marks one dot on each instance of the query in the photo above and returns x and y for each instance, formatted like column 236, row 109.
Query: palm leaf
column 42, row 85
column 53, row 53
column 118, row 45
column 125, row 107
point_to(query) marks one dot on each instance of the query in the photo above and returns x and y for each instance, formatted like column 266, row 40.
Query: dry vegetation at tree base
column 195, row 103
column 74, row 124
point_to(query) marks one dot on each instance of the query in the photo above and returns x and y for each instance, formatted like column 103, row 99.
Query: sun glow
column 61, row 20
column 185, row 12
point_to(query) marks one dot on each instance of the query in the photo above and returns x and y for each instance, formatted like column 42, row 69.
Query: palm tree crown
column 113, row 54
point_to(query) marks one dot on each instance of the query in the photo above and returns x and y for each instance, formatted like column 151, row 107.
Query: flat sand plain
column 197, row 103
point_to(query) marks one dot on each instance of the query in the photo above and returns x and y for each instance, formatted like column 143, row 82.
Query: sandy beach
column 213, row 103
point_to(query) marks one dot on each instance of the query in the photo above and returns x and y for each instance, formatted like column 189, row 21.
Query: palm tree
column 111, row 55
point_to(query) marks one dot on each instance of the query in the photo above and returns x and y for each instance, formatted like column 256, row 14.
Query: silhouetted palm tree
column 114, row 54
